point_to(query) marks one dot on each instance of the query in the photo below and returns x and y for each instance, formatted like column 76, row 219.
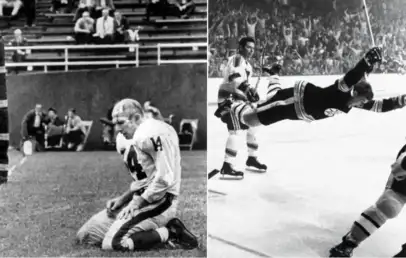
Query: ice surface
column 321, row 176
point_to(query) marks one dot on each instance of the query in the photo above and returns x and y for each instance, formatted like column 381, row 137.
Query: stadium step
column 166, row 39
column 125, row 12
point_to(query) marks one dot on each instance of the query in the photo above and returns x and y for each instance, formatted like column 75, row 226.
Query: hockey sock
column 273, row 86
column 369, row 221
column 252, row 143
column 232, row 147
column 147, row 239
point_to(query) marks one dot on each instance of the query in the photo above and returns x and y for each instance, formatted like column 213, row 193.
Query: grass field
column 51, row 195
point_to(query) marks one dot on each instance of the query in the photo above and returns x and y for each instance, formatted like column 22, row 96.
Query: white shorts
column 153, row 216
column 107, row 232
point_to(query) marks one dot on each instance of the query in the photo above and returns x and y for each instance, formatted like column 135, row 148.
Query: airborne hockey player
column 308, row 102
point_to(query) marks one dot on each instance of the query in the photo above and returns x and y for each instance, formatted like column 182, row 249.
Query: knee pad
column 390, row 204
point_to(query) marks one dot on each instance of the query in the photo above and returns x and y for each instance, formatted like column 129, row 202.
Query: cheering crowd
column 307, row 41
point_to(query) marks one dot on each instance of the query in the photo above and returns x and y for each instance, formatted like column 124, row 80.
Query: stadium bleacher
column 57, row 30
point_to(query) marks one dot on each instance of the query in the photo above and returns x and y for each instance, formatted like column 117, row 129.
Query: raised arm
column 385, row 105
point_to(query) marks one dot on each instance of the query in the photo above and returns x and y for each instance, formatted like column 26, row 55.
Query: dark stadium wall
column 178, row 89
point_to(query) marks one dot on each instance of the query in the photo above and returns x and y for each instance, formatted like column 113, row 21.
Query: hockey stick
column 213, row 173
column 371, row 34
column 262, row 65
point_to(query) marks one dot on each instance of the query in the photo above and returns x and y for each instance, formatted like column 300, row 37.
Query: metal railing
column 194, row 46
column 67, row 62
column 131, row 48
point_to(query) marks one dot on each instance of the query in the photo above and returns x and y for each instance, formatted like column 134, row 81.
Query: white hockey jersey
column 238, row 64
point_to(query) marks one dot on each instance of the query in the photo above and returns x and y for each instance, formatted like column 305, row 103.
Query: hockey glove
column 252, row 95
column 373, row 56
column 275, row 69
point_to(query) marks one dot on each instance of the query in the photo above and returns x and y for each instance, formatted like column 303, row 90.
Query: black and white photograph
column 332, row 184
column 103, row 128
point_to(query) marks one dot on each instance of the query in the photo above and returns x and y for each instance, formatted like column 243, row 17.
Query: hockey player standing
column 238, row 68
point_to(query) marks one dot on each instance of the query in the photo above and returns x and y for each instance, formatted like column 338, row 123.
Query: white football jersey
column 238, row 64
column 153, row 158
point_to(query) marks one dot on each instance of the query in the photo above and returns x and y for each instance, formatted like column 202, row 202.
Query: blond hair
column 127, row 108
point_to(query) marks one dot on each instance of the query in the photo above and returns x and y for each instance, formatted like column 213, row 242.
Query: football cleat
column 179, row 235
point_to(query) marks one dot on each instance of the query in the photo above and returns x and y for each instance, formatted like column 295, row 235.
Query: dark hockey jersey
column 395, row 185
column 315, row 103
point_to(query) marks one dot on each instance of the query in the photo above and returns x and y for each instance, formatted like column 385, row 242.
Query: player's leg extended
column 4, row 135
column 252, row 145
column 94, row 230
column 278, row 107
column 144, row 230
column 388, row 206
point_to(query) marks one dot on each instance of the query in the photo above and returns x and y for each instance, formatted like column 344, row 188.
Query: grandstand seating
column 57, row 29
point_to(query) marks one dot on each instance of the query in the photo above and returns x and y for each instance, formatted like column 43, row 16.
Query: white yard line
column 11, row 170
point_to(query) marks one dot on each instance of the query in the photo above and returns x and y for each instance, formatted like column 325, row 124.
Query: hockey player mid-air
column 388, row 206
column 144, row 215
column 238, row 66
column 308, row 102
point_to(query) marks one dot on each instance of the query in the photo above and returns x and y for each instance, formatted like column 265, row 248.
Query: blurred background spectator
column 19, row 55
column 157, row 7
column 30, row 12
column 14, row 4
column 186, row 8
column 101, row 6
column 308, row 37
column 84, row 29
column 85, row 6
column 104, row 29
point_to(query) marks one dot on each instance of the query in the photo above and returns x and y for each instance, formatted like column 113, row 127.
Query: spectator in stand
column 123, row 32
column 100, row 6
column 186, row 8
column 20, row 54
column 329, row 42
column 121, row 27
column 58, row 4
column 16, row 4
column 84, row 28
column 104, row 29
column 30, row 10
column 157, row 7
column 33, row 126
column 75, row 131
column 85, row 6
column 251, row 23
